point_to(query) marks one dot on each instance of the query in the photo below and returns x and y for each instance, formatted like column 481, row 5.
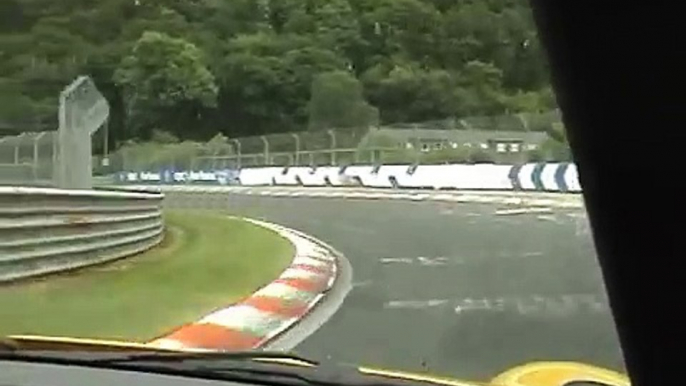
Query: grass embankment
column 206, row 261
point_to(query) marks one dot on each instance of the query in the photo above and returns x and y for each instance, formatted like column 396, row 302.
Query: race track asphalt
column 454, row 289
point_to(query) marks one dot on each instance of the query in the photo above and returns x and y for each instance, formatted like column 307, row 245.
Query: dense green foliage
column 249, row 67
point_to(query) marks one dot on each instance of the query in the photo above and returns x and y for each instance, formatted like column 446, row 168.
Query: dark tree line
column 249, row 67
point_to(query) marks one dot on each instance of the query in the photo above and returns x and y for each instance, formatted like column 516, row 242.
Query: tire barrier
column 45, row 230
column 544, row 177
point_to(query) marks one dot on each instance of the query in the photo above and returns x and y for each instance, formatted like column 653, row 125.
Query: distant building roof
column 460, row 136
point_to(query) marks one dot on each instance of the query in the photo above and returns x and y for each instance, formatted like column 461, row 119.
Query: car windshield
column 380, row 183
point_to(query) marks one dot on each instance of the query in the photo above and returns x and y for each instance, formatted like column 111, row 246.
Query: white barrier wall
column 553, row 177
column 526, row 182
column 335, row 176
column 571, row 178
column 548, row 176
column 493, row 177
column 258, row 176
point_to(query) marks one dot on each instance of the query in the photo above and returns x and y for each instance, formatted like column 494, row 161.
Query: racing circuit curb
column 269, row 312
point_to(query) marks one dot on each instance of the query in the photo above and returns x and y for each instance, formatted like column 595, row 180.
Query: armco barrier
column 548, row 177
column 44, row 230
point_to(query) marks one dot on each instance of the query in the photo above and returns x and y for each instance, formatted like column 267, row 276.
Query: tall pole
column 35, row 154
column 266, row 149
column 238, row 152
column 16, row 152
column 332, row 134
column 297, row 148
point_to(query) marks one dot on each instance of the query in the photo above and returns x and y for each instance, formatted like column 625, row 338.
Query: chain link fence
column 328, row 147
column 508, row 138
column 64, row 157
column 27, row 159
column 157, row 156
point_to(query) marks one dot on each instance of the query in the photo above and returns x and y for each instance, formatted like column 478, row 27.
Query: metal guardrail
column 45, row 230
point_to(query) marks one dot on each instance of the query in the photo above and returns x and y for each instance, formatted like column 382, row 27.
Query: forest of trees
column 250, row 67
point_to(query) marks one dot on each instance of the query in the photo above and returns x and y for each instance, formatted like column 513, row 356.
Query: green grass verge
column 206, row 261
